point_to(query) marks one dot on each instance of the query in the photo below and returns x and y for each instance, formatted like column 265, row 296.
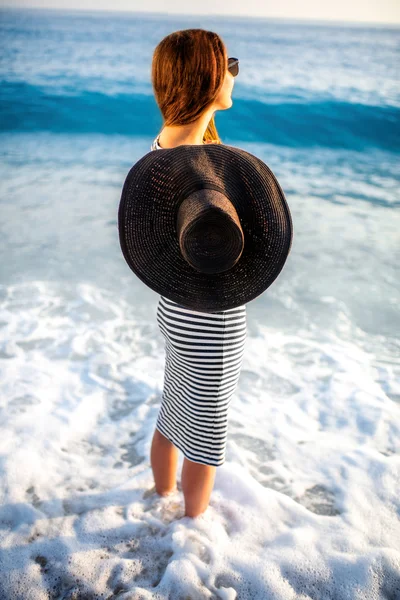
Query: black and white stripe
column 155, row 145
column 203, row 359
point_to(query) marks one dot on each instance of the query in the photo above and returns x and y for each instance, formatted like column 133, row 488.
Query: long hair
column 188, row 71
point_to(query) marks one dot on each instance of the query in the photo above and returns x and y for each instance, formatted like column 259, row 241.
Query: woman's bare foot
column 153, row 491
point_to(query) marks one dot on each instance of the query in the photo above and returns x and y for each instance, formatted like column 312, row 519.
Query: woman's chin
column 228, row 103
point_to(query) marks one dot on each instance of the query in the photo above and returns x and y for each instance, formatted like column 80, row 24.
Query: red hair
column 188, row 71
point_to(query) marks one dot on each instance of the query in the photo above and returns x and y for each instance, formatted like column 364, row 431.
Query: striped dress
column 202, row 366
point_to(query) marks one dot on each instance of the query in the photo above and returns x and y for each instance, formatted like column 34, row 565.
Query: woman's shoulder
column 156, row 146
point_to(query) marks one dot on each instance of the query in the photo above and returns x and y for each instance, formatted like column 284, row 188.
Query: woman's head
column 190, row 75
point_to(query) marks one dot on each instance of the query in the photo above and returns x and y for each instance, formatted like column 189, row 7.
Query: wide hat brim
column 152, row 193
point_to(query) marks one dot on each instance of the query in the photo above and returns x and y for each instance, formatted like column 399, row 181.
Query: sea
column 307, row 504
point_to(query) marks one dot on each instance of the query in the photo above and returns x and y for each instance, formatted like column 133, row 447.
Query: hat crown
column 209, row 232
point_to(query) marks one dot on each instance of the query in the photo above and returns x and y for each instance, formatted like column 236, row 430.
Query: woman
column 192, row 78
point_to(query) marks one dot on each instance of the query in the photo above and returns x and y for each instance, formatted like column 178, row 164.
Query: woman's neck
column 178, row 135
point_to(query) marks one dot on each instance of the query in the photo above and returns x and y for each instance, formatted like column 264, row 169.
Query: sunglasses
column 233, row 66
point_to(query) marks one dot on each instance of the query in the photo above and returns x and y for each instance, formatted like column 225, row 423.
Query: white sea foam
column 306, row 505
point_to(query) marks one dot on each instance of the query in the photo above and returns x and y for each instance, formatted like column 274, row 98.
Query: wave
column 294, row 123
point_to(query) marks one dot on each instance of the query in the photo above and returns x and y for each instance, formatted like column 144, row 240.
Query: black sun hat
column 206, row 226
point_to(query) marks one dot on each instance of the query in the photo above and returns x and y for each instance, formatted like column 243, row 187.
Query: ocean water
column 307, row 504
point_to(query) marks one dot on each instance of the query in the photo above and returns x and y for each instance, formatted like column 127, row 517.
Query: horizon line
column 296, row 20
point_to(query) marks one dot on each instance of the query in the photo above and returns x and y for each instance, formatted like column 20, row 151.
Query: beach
column 307, row 503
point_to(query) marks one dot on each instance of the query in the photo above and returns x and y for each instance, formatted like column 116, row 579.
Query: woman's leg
column 197, row 485
column 164, row 462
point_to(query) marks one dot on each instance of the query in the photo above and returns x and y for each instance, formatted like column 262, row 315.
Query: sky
column 366, row 11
